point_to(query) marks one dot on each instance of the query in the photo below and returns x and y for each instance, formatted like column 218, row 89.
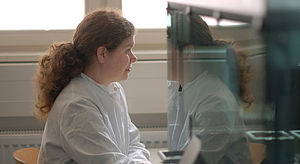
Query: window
column 149, row 14
column 40, row 15
column 146, row 13
column 223, row 22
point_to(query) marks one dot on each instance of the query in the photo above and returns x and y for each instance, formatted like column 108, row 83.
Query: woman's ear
column 101, row 52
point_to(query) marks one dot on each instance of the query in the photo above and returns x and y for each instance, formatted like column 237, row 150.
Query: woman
column 80, row 98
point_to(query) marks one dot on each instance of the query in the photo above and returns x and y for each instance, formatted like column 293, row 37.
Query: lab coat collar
column 175, row 84
column 195, row 81
column 111, row 88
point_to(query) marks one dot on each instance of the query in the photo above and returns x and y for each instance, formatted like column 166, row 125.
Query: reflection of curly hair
column 246, row 73
column 204, row 37
column 67, row 60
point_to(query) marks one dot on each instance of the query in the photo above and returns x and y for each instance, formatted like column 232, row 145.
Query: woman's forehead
column 128, row 42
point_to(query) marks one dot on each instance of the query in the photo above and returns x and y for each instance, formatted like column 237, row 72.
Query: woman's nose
column 133, row 58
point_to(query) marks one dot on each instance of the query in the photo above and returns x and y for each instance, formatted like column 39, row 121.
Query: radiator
column 154, row 139
column 12, row 140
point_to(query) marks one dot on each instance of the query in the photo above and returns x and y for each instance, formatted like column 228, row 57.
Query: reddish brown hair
column 66, row 60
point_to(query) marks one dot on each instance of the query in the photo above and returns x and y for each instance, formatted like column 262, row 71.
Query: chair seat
column 258, row 152
column 26, row 155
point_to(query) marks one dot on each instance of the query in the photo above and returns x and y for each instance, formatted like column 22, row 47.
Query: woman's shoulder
column 77, row 95
column 71, row 101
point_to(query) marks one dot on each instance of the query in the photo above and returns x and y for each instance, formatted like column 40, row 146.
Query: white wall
column 16, row 89
column 145, row 89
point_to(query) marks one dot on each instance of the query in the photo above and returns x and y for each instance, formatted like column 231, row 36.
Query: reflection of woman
column 211, row 108
column 79, row 95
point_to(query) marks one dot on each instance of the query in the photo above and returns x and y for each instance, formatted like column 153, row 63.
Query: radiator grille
column 12, row 140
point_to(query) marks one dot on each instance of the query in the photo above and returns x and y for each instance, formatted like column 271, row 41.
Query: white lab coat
column 215, row 118
column 89, row 123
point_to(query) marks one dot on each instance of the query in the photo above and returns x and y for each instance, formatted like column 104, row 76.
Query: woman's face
column 119, row 61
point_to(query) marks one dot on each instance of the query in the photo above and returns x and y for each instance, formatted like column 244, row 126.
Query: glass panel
column 40, row 14
column 210, row 102
column 234, row 87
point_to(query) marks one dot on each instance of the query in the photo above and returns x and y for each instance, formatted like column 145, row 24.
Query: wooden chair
column 258, row 152
column 26, row 155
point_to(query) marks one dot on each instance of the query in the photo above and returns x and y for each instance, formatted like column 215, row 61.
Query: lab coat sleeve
column 85, row 137
column 211, row 124
column 137, row 150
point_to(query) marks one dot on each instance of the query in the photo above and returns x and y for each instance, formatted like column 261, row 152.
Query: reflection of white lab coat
column 89, row 123
column 215, row 119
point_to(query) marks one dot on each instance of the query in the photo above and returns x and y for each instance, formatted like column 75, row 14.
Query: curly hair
column 66, row 60
column 204, row 37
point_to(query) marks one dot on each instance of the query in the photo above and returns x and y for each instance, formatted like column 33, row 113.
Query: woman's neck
column 94, row 72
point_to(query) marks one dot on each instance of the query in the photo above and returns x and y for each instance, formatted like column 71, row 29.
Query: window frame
column 22, row 39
